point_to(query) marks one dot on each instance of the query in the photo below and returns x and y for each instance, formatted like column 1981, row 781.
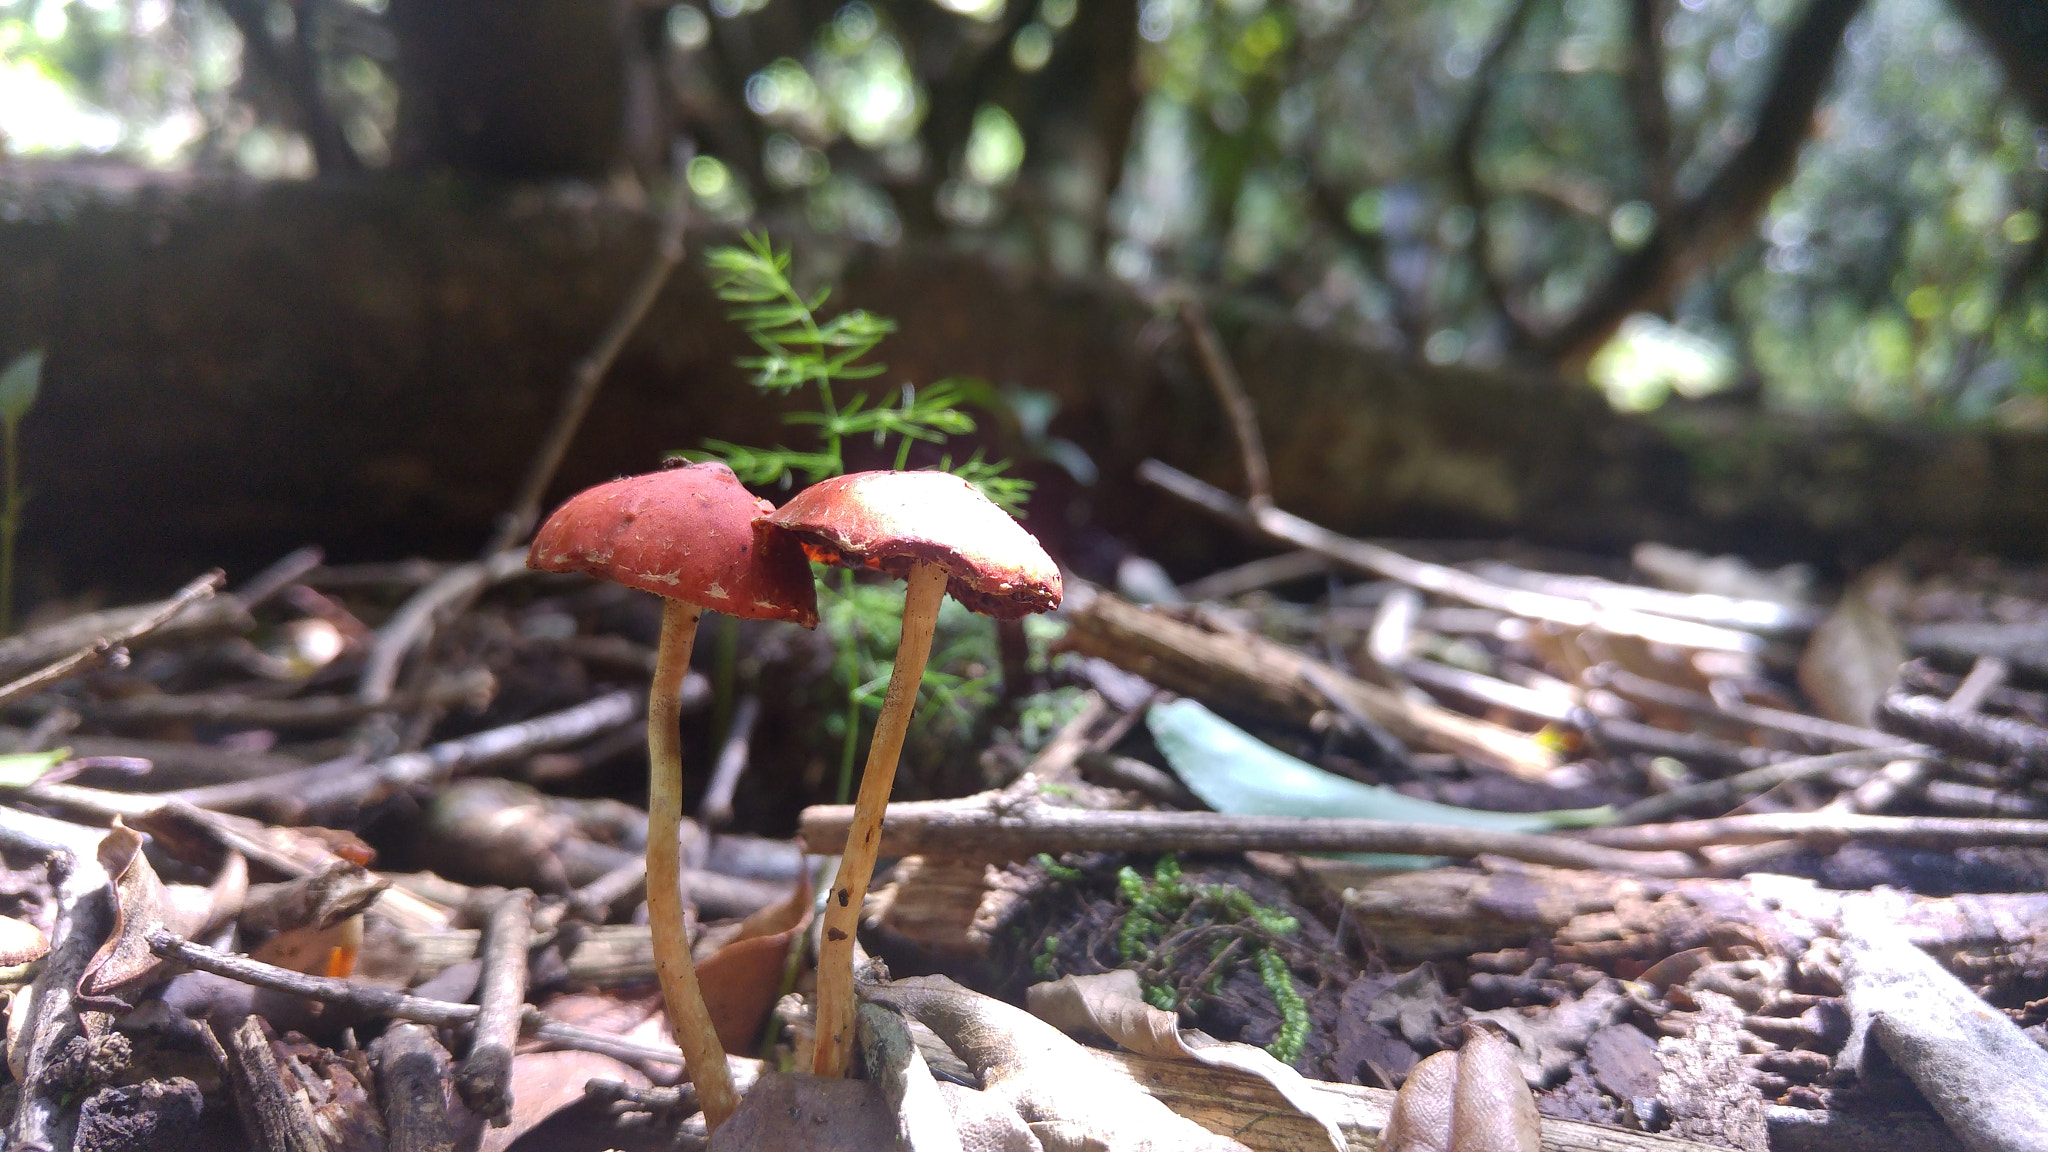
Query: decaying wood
column 994, row 826
column 412, row 1070
column 1447, row 913
column 276, row 1116
column 485, row 1077
column 1272, row 680
column 1949, row 832
column 44, row 1017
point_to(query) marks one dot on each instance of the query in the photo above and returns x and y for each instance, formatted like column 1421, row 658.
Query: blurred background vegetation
column 1804, row 204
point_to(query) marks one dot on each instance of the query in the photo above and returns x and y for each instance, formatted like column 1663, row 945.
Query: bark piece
column 1985, row 1077
column 1704, row 1084
column 274, row 1109
column 412, row 1078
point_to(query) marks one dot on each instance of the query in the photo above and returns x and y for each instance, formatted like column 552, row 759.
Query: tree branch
column 297, row 75
column 1465, row 166
column 1709, row 222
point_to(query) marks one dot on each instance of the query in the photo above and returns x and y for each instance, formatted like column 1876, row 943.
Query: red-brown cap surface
column 891, row 520
column 684, row 533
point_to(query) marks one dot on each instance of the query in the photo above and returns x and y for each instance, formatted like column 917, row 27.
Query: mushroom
column 941, row 535
column 687, row 535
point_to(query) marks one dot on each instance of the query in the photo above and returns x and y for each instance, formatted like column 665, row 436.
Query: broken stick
column 1277, row 682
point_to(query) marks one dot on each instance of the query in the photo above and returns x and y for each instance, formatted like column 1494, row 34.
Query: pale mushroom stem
column 687, row 1015
column 921, row 601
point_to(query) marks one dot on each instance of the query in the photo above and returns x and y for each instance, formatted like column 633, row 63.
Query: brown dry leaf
column 21, row 942
column 544, row 1083
column 1420, row 1120
column 741, row 983
column 1471, row 1100
column 1113, row 1005
column 1854, row 655
column 141, row 905
column 774, row 919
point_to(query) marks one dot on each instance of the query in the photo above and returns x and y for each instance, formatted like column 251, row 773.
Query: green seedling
column 18, row 387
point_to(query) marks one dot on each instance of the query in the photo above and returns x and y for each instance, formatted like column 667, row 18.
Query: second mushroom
column 941, row 535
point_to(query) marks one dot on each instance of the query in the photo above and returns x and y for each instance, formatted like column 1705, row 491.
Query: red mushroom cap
column 684, row 533
column 891, row 520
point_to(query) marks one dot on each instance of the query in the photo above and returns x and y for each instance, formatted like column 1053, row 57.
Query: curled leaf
column 140, row 907
column 1471, row 1100
column 21, row 942
column 1112, row 1004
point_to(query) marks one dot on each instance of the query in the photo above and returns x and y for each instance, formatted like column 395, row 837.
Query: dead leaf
column 741, row 983
column 1044, row 1076
column 140, row 906
column 316, row 950
column 1420, row 1120
column 1854, row 655
column 1113, row 1005
column 544, row 1083
column 774, row 919
column 21, row 942
column 1471, row 1100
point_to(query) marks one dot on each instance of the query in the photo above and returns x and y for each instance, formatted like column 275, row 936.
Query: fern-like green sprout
column 829, row 355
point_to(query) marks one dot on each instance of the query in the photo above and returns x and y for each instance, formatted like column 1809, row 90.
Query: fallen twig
column 327, row 785
column 1731, row 790
column 412, row 626
column 274, row 1118
column 1961, row 732
column 1442, row 580
column 34, row 649
column 371, row 1000
column 1646, row 690
column 486, row 1074
column 716, row 809
column 1259, row 675
column 48, row 1007
column 1822, row 827
column 988, row 828
column 96, row 652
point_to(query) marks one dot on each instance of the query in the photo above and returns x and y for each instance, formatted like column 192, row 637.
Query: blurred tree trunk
column 525, row 88
column 233, row 373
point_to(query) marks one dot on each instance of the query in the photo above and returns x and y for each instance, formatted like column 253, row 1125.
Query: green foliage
column 1057, row 870
column 1166, row 906
column 800, row 349
column 21, row 769
column 19, row 385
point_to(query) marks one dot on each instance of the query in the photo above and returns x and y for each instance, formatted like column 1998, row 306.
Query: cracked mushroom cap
column 891, row 520
column 686, row 534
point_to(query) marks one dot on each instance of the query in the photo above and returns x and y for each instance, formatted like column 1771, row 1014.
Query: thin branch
column 97, row 653
column 1643, row 79
column 412, row 627
column 1731, row 790
column 296, row 74
column 1008, row 828
column 372, row 1000
column 1464, row 159
column 519, row 519
column 1709, row 222
column 1237, row 406
column 1439, row 579
column 1942, row 832
column 485, row 1079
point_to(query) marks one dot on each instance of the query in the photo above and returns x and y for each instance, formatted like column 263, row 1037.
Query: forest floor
column 1746, row 817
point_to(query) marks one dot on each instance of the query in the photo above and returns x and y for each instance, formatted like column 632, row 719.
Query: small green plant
column 1166, row 908
column 18, row 387
column 801, row 349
